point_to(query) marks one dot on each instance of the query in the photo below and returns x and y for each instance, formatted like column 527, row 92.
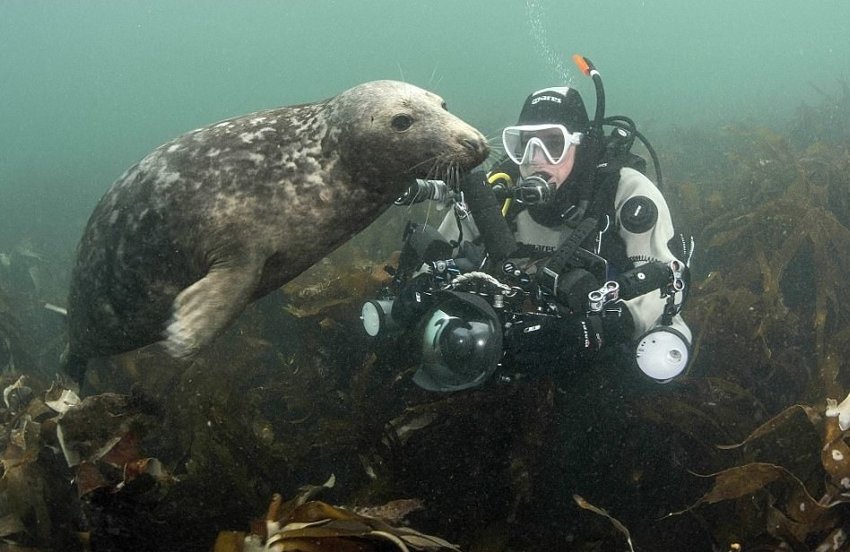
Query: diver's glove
column 541, row 338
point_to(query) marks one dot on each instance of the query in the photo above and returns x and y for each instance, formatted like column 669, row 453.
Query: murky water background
column 88, row 87
column 748, row 106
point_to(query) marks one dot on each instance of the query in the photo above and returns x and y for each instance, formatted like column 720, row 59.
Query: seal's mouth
column 468, row 150
column 448, row 160
column 446, row 165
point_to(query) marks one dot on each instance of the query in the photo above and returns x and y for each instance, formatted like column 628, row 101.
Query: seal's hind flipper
column 204, row 309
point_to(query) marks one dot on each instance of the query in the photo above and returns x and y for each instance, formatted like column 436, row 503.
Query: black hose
column 498, row 239
column 626, row 123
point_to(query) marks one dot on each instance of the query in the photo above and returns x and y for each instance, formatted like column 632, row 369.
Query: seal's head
column 394, row 129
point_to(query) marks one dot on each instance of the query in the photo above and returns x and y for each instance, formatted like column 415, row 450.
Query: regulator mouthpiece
column 534, row 190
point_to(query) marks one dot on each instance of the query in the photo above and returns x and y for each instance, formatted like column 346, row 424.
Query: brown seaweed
column 585, row 505
column 308, row 525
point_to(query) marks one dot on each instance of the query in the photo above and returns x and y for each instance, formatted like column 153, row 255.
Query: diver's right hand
column 544, row 336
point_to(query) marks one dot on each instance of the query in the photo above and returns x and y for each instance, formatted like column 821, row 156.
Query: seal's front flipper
column 73, row 365
column 204, row 309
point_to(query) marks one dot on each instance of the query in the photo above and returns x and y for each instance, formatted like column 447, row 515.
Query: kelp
column 771, row 320
column 98, row 438
column 793, row 514
column 326, row 287
column 775, row 264
column 823, row 122
column 304, row 525
column 769, row 426
column 31, row 326
column 585, row 505
column 15, row 346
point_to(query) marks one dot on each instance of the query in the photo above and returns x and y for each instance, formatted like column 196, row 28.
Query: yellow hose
column 509, row 183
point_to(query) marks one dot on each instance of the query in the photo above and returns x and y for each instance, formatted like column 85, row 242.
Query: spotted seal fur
column 219, row 217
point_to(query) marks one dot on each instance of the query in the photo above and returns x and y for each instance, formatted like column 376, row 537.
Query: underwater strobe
column 377, row 317
column 663, row 352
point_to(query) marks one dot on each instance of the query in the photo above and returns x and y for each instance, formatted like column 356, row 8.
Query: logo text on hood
column 547, row 98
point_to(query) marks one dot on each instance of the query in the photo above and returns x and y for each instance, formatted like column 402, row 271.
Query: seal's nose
column 478, row 147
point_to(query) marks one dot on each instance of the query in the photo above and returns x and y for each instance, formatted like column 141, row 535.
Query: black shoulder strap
column 548, row 276
column 603, row 200
column 608, row 174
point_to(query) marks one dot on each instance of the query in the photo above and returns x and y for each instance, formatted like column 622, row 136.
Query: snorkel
column 586, row 66
column 626, row 131
column 594, row 139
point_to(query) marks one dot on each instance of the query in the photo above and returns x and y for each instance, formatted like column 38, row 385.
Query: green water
column 88, row 87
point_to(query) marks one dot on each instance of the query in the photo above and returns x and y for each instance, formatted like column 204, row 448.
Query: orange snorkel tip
column 584, row 64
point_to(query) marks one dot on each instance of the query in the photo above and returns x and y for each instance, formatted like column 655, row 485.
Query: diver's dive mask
column 553, row 141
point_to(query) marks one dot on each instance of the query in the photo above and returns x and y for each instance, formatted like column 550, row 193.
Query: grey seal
column 205, row 224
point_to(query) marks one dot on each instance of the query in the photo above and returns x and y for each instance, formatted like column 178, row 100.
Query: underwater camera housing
column 457, row 314
column 458, row 333
column 461, row 341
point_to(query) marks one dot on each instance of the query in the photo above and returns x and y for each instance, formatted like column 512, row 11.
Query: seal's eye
column 444, row 106
column 401, row 122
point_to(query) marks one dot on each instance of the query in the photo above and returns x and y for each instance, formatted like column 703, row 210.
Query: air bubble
column 536, row 16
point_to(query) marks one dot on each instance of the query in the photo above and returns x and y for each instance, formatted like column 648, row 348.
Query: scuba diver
column 559, row 252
